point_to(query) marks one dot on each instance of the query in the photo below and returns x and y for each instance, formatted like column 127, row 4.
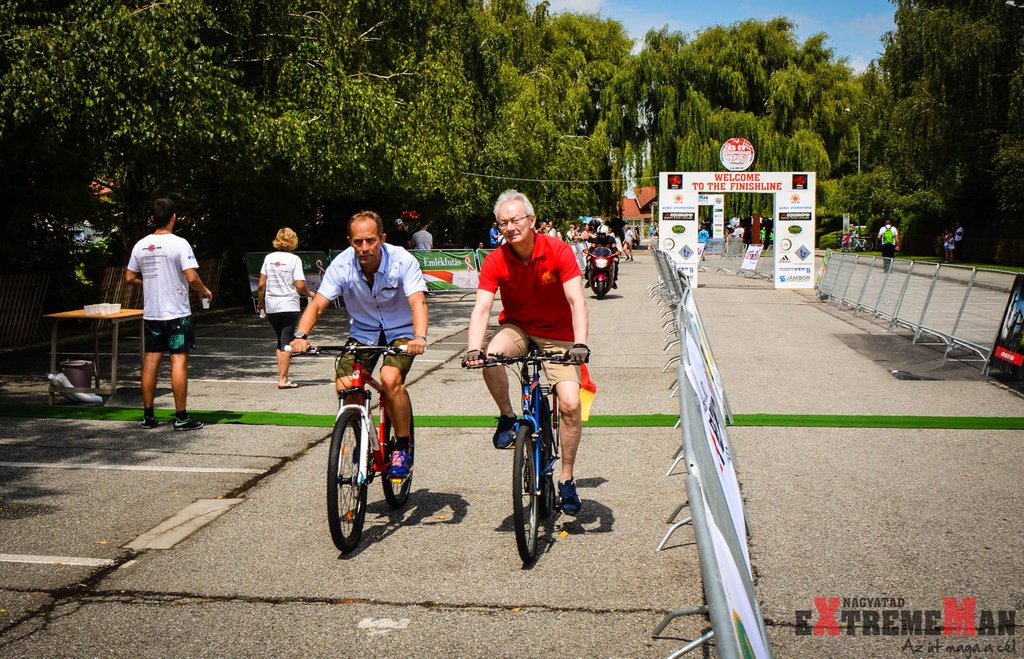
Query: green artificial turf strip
column 477, row 421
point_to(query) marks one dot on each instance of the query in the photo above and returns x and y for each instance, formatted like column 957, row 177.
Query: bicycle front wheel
column 346, row 496
column 524, row 495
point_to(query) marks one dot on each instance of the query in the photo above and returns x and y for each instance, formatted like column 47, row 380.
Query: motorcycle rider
column 603, row 238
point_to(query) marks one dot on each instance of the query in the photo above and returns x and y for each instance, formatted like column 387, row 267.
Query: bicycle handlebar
column 533, row 357
column 376, row 350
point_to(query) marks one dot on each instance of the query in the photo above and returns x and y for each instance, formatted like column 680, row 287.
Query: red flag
column 587, row 392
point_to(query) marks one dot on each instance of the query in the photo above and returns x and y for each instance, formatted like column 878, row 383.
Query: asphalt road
column 836, row 512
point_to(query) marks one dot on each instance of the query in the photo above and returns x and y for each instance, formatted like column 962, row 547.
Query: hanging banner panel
column 448, row 269
column 794, row 232
column 677, row 223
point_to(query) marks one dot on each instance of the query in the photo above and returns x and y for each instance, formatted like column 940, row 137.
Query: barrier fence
column 21, row 297
column 958, row 306
column 735, row 257
column 712, row 489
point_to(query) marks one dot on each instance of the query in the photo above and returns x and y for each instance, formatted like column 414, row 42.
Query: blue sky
column 855, row 27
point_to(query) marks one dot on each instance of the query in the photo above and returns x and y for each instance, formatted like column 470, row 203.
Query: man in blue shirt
column 495, row 236
column 384, row 293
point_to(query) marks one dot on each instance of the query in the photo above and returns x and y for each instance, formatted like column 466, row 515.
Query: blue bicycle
column 536, row 448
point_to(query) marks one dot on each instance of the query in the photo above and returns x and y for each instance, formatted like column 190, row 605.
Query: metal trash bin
column 78, row 372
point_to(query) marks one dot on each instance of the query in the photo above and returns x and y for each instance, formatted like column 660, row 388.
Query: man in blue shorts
column 384, row 293
column 164, row 265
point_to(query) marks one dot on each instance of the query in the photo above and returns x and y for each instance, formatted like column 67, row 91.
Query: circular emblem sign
column 736, row 154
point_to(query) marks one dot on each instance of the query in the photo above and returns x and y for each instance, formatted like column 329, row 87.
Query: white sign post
column 795, row 208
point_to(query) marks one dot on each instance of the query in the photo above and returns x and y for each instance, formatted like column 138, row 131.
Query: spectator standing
column 422, row 238
column 399, row 236
column 889, row 239
column 281, row 283
column 495, row 235
column 627, row 243
column 165, row 266
column 947, row 245
column 958, row 237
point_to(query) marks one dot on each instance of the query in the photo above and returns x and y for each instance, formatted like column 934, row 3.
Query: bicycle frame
column 361, row 379
column 533, row 393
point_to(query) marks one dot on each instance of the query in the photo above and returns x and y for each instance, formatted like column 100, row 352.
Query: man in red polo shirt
column 542, row 297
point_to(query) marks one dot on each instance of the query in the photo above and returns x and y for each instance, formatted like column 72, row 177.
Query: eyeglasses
column 518, row 221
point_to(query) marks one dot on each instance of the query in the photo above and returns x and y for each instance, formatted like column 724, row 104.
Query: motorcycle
column 599, row 272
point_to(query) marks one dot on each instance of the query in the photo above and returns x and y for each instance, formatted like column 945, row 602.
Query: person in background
column 627, row 242
column 495, row 235
column 958, row 237
column 399, row 237
column 165, row 266
column 889, row 240
column 422, row 238
column 281, row 283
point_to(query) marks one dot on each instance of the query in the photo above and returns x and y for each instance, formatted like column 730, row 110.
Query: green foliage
column 260, row 114
column 832, row 240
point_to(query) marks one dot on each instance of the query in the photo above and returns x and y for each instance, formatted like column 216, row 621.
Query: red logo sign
column 736, row 154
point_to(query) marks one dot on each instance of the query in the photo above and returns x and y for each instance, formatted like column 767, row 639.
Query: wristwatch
column 299, row 334
column 420, row 336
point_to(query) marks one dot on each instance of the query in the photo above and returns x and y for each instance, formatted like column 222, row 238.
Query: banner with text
column 681, row 193
column 449, row 270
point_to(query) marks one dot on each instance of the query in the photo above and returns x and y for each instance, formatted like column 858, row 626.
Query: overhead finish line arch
column 794, row 194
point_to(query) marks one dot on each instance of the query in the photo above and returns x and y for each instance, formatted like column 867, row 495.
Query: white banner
column 751, row 258
column 795, row 208
column 677, row 224
column 741, row 610
column 714, row 434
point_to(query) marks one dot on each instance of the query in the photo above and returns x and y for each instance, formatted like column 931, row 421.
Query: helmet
column 603, row 229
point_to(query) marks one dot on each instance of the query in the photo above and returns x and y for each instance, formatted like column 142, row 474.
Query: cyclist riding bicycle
column 384, row 293
column 542, row 297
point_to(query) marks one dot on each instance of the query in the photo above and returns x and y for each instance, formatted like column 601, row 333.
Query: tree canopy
column 256, row 115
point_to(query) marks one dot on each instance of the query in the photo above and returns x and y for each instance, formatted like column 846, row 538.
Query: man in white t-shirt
column 164, row 265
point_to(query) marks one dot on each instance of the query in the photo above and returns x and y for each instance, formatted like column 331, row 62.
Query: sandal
column 288, row 385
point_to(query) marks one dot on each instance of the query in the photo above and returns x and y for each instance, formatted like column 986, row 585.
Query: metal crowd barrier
column 713, row 496
column 958, row 306
column 732, row 256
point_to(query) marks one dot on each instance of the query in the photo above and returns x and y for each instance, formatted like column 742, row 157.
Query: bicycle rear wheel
column 524, row 499
column 346, row 497
column 397, row 494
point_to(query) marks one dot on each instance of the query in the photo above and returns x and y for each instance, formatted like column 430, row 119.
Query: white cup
column 206, row 303
column 263, row 313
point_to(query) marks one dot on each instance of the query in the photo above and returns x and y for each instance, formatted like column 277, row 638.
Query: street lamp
column 858, row 134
